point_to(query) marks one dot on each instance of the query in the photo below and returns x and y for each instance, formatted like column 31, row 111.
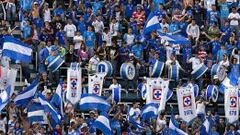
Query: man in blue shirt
column 59, row 11
column 26, row 31
column 220, row 53
column 213, row 15
column 81, row 26
column 89, row 39
column 129, row 9
column 174, row 27
column 137, row 49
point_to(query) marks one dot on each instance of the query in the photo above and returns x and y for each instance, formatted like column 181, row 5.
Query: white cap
column 35, row 3
column 215, row 77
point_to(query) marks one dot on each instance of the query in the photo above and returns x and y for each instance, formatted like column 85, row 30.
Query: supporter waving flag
column 25, row 96
column 5, row 97
column 174, row 127
column 16, row 49
column 103, row 123
column 151, row 24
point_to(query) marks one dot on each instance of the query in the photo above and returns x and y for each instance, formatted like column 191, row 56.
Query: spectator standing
column 70, row 30
column 234, row 18
column 193, row 32
column 90, row 40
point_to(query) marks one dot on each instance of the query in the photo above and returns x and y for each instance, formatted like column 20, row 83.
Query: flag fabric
column 103, row 123
column 152, row 23
column 142, row 88
column 230, row 81
column 231, row 104
column 149, row 111
column 157, row 90
column 49, row 108
column 131, row 120
column 205, row 128
column 174, row 127
column 92, row 101
column 5, row 97
column 8, row 78
column 95, row 83
column 74, row 84
column 35, row 113
column 16, row 50
column 186, row 103
column 116, row 93
column 57, row 99
column 25, row 96
column 174, row 39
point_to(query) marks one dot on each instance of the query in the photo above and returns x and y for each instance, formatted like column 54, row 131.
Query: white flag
column 95, row 83
column 231, row 104
column 74, row 84
column 8, row 77
column 186, row 103
column 157, row 89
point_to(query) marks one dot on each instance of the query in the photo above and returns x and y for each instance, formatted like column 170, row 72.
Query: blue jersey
column 213, row 16
column 26, row 5
column 216, row 46
column 174, row 26
column 129, row 10
column 137, row 51
column 81, row 27
column 89, row 38
column 26, row 32
column 96, row 6
column 224, row 9
column 60, row 35
column 187, row 53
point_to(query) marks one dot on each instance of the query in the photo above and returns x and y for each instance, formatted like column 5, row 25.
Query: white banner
column 231, row 104
column 157, row 89
column 95, row 83
column 74, row 84
column 8, row 77
column 186, row 103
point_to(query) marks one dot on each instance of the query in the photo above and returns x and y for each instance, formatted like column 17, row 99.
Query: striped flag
column 25, row 96
column 35, row 113
column 16, row 50
column 103, row 123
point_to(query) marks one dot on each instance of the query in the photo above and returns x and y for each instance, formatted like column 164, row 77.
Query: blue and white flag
column 152, row 23
column 95, row 83
column 231, row 104
column 92, row 101
column 173, row 39
column 174, row 127
column 103, row 123
column 186, row 103
column 116, row 93
column 131, row 120
column 57, row 100
column 16, row 50
column 157, row 90
column 149, row 111
column 5, row 97
column 142, row 88
column 74, row 83
column 205, row 128
column 25, row 96
column 35, row 113
column 49, row 108
column 230, row 81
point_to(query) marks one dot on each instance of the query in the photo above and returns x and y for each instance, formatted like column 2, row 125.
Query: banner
column 95, row 83
column 186, row 103
column 7, row 77
column 116, row 93
column 74, row 83
column 231, row 104
column 157, row 89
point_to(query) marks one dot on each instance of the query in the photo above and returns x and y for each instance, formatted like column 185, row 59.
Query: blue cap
column 53, row 48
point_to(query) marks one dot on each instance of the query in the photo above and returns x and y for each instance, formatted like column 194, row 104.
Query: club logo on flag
column 157, row 94
column 233, row 102
column 73, row 83
column 96, row 88
column 187, row 101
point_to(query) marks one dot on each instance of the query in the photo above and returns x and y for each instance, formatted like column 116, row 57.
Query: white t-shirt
column 234, row 15
column 108, row 38
column 93, row 62
column 114, row 86
column 98, row 26
column 195, row 62
column 200, row 108
column 70, row 30
column 208, row 4
column 136, row 112
column 47, row 15
column 169, row 51
column 3, row 123
column 129, row 38
column 224, row 63
column 78, row 41
column 114, row 28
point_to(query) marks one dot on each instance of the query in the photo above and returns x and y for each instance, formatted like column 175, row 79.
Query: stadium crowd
column 90, row 31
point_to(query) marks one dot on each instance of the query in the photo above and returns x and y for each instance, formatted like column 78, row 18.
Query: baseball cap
column 35, row 3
